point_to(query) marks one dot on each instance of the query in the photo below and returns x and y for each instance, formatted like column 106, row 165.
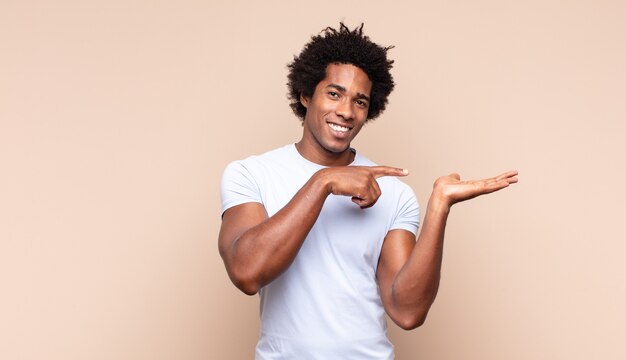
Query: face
column 335, row 113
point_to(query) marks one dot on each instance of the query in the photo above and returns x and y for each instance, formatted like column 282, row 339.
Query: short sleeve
column 238, row 186
column 408, row 213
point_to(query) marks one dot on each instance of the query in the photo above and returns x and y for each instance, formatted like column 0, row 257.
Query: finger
column 379, row 171
column 368, row 197
column 357, row 200
column 363, row 203
column 455, row 176
column 506, row 175
column 375, row 191
column 508, row 178
column 500, row 184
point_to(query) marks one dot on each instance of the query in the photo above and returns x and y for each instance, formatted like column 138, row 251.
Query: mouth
column 339, row 128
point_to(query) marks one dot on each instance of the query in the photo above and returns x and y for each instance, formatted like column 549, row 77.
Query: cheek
column 357, row 129
column 324, row 105
column 322, row 111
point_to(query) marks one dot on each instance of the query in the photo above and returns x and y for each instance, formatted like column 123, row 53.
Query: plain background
column 118, row 117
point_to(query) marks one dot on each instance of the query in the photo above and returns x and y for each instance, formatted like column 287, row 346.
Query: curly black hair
column 343, row 46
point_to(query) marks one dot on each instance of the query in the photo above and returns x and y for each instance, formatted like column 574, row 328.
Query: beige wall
column 117, row 118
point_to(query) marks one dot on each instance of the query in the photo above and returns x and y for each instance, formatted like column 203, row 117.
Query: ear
column 304, row 101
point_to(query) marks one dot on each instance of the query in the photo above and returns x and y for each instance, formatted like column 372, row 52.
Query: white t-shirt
column 327, row 304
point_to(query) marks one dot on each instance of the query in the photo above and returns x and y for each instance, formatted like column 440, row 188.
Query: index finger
column 379, row 171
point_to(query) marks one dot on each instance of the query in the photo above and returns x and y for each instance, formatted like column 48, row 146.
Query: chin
column 337, row 149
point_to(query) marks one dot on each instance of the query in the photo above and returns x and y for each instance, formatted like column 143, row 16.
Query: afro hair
column 343, row 46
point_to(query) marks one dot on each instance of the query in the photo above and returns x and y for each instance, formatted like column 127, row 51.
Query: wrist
column 439, row 203
column 321, row 180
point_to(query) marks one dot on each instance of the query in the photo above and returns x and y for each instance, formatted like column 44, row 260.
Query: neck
column 325, row 157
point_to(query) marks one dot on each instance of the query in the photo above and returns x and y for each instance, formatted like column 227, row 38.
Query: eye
column 333, row 94
column 361, row 103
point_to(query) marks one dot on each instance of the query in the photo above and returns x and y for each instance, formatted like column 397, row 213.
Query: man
column 325, row 236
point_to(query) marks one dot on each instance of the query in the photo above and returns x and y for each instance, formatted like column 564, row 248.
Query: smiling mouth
column 338, row 128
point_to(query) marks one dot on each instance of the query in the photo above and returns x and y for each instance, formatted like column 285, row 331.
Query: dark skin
column 257, row 248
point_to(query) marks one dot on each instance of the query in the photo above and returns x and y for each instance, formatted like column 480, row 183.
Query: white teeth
column 338, row 127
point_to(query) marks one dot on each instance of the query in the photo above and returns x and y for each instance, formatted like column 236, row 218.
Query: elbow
column 247, row 287
column 241, row 276
column 244, row 282
column 412, row 321
column 413, row 315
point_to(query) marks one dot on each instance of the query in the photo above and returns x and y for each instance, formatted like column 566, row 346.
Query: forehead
column 352, row 78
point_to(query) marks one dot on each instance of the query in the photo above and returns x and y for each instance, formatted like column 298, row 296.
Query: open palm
column 454, row 190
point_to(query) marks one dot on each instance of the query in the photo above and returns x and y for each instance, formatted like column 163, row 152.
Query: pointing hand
column 358, row 182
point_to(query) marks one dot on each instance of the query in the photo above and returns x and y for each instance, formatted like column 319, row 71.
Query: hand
column 358, row 182
column 452, row 190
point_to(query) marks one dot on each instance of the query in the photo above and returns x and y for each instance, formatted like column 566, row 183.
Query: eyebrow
column 343, row 89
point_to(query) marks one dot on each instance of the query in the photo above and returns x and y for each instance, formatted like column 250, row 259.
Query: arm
column 408, row 271
column 257, row 248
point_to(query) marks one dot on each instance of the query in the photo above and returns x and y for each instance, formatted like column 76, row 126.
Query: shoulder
column 270, row 158
column 278, row 154
column 245, row 180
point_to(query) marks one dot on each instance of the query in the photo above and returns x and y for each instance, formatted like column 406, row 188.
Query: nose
column 345, row 109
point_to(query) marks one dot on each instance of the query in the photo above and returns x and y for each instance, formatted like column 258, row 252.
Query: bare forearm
column 264, row 251
column 410, row 272
column 257, row 248
column 416, row 284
